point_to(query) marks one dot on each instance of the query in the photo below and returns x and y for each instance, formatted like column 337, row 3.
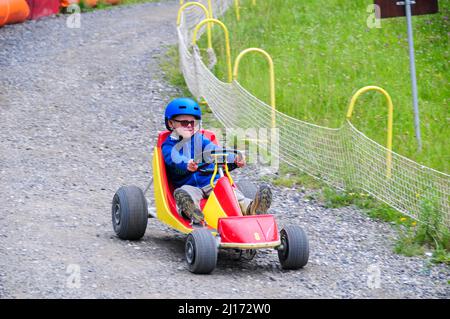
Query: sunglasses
column 186, row 123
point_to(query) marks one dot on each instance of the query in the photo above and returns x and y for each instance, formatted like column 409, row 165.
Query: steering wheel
column 220, row 155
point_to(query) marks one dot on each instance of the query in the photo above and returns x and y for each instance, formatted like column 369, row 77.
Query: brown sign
column 390, row 9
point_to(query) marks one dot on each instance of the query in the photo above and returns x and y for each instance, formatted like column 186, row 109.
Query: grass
column 102, row 6
column 414, row 238
column 291, row 177
column 170, row 65
column 323, row 52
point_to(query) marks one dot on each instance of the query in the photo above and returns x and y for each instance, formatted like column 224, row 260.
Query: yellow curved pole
column 227, row 42
column 271, row 74
column 211, row 182
column 216, row 165
column 236, row 6
column 207, row 15
column 390, row 118
column 254, row 2
column 227, row 172
column 209, row 7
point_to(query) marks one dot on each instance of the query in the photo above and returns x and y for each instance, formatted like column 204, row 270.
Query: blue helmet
column 182, row 106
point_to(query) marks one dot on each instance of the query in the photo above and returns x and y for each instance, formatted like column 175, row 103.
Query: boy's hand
column 192, row 166
column 240, row 160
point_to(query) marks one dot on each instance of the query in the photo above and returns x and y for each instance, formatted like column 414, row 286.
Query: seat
column 162, row 136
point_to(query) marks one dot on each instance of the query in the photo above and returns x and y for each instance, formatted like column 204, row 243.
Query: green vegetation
column 170, row 64
column 101, row 5
column 290, row 177
column 414, row 238
column 324, row 51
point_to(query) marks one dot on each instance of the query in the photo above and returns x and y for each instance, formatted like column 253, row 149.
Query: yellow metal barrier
column 209, row 7
column 236, row 6
column 390, row 119
column 271, row 74
column 207, row 15
column 227, row 42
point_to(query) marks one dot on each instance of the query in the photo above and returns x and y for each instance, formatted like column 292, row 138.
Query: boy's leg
column 188, row 202
column 259, row 205
column 243, row 201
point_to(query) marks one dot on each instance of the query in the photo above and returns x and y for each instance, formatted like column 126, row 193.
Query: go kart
column 225, row 227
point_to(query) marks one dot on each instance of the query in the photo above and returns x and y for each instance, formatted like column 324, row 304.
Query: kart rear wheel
column 294, row 250
column 129, row 213
column 201, row 251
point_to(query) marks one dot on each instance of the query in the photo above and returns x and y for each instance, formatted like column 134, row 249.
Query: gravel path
column 79, row 110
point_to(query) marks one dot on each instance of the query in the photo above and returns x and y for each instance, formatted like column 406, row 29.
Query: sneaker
column 187, row 207
column 197, row 218
column 262, row 201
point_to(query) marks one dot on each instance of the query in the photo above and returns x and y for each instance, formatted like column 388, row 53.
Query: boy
column 183, row 117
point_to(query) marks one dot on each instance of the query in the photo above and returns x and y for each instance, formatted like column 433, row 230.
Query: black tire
column 295, row 248
column 201, row 251
column 129, row 213
column 247, row 188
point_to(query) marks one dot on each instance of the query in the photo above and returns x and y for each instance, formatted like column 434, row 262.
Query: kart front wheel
column 201, row 251
column 294, row 250
column 129, row 213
